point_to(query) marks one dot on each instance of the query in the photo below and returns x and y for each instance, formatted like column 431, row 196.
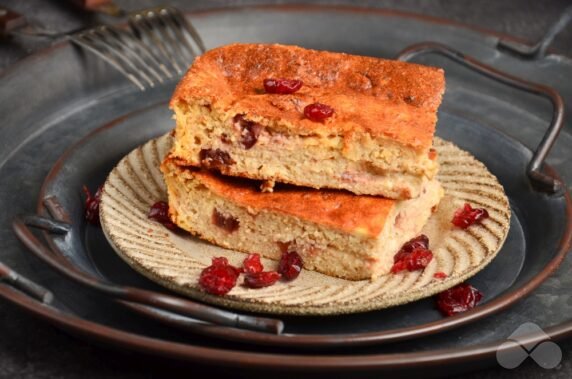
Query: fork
column 158, row 45
column 133, row 297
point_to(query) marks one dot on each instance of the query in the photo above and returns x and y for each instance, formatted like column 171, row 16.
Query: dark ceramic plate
column 88, row 248
column 65, row 110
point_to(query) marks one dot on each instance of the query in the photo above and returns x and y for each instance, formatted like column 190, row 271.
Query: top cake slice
column 377, row 139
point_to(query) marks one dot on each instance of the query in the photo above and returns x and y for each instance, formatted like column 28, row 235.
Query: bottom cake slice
column 335, row 232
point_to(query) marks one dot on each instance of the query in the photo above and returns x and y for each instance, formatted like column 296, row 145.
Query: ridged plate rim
column 254, row 303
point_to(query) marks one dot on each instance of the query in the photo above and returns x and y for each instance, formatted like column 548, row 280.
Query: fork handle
column 24, row 284
column 140, row 296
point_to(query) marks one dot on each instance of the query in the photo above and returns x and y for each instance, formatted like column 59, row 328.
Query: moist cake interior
column 335, row 232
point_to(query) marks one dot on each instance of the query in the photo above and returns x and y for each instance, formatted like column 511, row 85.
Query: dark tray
column 65, row 110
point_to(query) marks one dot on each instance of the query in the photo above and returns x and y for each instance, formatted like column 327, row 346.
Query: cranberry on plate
column 467, row 216
column 261, row 279
column 290, row 265
column 92, row 205
column 413, row 255
column 219, row 278
column 252, row 264
column 458, row 299
column 160, row 213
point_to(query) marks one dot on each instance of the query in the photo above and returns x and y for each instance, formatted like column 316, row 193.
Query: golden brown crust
column 340, row 210
column 391, row 99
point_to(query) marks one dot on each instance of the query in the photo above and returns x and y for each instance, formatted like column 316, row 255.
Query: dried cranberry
column 318, row 111
column 432, row 154
column 227, row 223
column 215, row 159
column 252, row 264
column 261, row 279
column 284, row 246
column 413, row 255
column 467, row 216
column 458, row 299
column 225, row 138
column 282, row 86
column 421, row 241
column 440, row 275
column 219, row 278
column 160, row 213
column 416, row 260
column 409, row 99
column 92, row 205
column 290, row 265
column 219, row 261
column 398, row 267
column 249, row 131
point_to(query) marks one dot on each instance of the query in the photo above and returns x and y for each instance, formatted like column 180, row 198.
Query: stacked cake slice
column 281, row 148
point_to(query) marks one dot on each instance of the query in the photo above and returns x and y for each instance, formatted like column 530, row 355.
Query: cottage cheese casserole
column 335, row 232
column 378, row 140
column 176, row 259
column 324, row 162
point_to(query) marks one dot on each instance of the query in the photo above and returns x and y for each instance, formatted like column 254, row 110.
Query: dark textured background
column 32, row 349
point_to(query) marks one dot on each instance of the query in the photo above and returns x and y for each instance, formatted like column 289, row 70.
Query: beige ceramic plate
column 176, row 260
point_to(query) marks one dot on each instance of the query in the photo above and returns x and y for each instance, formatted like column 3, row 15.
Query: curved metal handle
column 538, row 50
column 544, row 182
column 24, row 284
column 136, row 295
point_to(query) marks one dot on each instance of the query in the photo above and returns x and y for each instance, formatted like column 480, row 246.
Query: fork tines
column 158, row 45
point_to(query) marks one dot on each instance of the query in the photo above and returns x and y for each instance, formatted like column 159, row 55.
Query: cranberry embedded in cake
column 215, row 159
column 225, row 222
column 249, row 131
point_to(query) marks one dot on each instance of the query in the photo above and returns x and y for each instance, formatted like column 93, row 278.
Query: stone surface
column 30, row 348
